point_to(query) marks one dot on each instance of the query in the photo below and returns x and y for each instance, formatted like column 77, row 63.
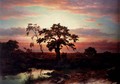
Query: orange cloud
column 99, row 45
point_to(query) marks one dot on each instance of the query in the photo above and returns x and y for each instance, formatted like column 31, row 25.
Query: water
column 22, row 77
column 35, row 73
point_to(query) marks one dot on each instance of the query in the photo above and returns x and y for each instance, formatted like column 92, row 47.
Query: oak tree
column 56, row 37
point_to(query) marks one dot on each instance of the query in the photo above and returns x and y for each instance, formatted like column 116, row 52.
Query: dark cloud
column 12, row 31
column 82, row 32
column 91, row 32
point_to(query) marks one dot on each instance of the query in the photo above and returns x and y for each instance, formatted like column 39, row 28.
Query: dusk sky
column 95, row 21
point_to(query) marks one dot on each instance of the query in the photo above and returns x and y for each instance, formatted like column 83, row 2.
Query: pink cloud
column 100, row 24
column 87, row 7
column 90, row 19
column 14, row 13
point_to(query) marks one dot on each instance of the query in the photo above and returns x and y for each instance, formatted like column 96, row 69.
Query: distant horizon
column 65, row 50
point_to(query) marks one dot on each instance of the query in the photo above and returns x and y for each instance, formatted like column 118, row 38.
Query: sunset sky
column 95, row 21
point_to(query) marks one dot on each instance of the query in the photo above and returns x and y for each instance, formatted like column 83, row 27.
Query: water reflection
column 36, row 76
column 38, row 73
column 22, row 77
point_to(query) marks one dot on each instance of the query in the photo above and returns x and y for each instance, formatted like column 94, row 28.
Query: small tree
column 35, row 29
column 90, row 51
column 56, row 37
column 11, row 45
column 8, row 47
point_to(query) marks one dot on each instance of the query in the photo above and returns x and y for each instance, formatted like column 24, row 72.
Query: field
column 78, row 65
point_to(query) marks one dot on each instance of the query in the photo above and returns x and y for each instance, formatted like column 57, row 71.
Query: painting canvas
column 59, row 42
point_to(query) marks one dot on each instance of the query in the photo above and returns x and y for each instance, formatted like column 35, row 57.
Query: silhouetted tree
column 90, row 51
column 8, row 47
column 35, row 29
column 11, row 45
column 56, row 37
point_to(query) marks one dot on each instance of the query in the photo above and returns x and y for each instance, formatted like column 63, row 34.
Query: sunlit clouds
column 93, row 20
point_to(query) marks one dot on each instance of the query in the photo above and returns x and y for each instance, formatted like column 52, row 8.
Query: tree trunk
column 57, row 51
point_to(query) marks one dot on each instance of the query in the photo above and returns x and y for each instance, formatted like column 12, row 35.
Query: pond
column 54, row 77
column 22, row 77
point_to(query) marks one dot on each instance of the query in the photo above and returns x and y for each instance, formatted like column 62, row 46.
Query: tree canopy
column 90, row 51
column 11, row 45
column 56, row 37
